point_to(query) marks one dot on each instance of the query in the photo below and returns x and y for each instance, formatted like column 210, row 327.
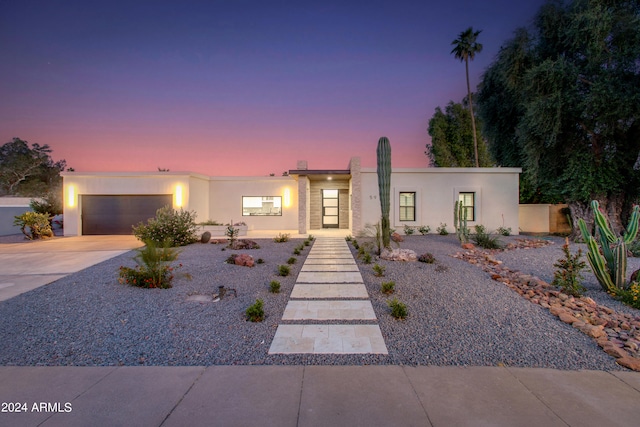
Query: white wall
column 437, row 189
column 10, row 207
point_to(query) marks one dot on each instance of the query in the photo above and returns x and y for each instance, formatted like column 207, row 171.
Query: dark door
column 117, row 214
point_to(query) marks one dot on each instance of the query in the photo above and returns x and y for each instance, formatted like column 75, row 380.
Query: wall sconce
column 178, row 196
column 71, row 196
column 287, row 197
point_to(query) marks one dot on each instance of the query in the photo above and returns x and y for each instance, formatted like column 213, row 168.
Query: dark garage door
column 116, row 214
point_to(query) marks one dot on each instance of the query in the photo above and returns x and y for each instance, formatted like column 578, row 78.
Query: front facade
column 306, row 200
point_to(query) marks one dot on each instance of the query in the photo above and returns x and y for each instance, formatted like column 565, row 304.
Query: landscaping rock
column 399, row 255
column 206, row 236
column 397, row 238
column 244, row 260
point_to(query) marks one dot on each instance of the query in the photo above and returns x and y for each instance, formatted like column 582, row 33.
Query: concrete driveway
column 26, row 266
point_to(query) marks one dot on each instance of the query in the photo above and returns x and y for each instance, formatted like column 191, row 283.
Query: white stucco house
column 304, row 201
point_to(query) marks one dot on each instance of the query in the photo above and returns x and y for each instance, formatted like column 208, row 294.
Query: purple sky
column 237, row 87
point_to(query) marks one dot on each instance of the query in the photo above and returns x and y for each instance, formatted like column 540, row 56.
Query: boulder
column 399, row 255
column 244, row 260
column 206, row 236
column 397, row 238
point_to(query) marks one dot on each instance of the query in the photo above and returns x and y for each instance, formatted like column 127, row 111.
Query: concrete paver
column 329, row 310
column 329, row 277
column 350, row 339
column 329, row 291
column 329, row 267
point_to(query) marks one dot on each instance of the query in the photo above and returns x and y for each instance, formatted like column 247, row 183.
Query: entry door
column 329, row 208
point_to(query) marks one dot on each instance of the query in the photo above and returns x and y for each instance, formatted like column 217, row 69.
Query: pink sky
column 237, row 88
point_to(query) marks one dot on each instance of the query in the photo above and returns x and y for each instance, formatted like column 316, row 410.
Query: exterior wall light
column 71, row 196
column 287, row 198
column 178, row 196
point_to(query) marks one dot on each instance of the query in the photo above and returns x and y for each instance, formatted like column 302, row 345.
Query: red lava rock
column 244, row 260
column 567, row 318
column 397, row 238
column 629, row 362
column 614, row 351
column 468, row 246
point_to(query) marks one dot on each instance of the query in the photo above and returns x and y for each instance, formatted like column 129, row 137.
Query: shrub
column 37, row 223
column 231, row 259
column 361, row 251
column 366, row 258
column 274, row 287
column 569, row 270
column 348, row 238
column 259, row 261
column 154, row 267
column 307, row 242
column 485, row 240
column 232, row 234
column 424, row 229
column 379, row 270
column 291, row 260
column 177, row 228
column 311, row 238
column 281, row 238
column 284, row 270
column 255, row 312
column 504, row 231
column 296, row 251
column 428, row 258
column 388, row 287
column 51, row 204
column 398, row 309
column 408, row 230
column 630, row 296
column 355, row 244
column 442, row 229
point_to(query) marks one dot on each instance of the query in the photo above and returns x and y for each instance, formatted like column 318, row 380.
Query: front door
column 329, row 208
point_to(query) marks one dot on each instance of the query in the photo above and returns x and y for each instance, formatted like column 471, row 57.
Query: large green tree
column 452, row 143
column 562, row 100
column 465, row 49
column 28, row 170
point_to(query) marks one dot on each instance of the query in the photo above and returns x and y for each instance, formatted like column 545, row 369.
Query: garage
column 109, row 214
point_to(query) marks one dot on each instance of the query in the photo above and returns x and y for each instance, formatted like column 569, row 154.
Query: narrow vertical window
column 468, row 201
column 407, row 206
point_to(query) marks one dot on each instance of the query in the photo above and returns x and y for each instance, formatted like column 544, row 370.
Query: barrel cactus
column 608, row 255
column 384, row 186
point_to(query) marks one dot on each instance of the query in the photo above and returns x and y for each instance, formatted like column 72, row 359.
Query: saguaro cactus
column 460, row 222
column 608, row 257
column 384, row 186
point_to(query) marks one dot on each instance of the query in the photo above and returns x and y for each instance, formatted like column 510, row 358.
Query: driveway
column 28, row 265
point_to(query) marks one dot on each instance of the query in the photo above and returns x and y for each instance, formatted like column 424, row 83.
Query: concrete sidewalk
column 317, row 396
column 26, row 266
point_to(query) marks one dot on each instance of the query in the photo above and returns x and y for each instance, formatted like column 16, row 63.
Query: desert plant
column 379, row 270
column 281, row 238
column 427, row 258
column 255, row 312
column 177, row 227
column 388, row 287
column 398, row 309
column 424, row 229
column 284, row 270
column 296, row 251
column 484, row 239
column 634, row 248
column 442, row 229
column 307, row 242
column 274, row 287
column 366, row 258
column 608, row 257
column 154, row 267
column 259, row 261
column 311, row 238
column 408, row 230
column 232, row 234
column 460, row 222
column 629, row 296
column 383, row 154
column 504, row 231
column 348, row 238
column 568, row 275
column 50, row 204
column 291, row 260
column 37, row 224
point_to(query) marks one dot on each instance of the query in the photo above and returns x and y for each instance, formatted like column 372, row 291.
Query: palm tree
column 466, row 48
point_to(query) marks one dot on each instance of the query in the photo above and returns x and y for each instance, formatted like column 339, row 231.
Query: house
column 305, row 200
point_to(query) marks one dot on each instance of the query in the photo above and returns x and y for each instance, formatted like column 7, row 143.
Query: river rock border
column 618, row 334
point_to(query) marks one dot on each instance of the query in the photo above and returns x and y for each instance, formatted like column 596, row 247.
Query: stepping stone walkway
column 329, row 289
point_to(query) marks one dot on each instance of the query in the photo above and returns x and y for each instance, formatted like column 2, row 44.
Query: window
column 407, row 206
column 468, row 201
column 261, row 205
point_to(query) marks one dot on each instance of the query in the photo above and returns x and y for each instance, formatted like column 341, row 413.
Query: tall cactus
column 384, row 186
column 460, row 222
column 608, row 259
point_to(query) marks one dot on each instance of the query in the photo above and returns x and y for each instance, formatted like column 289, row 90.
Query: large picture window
column 261, row 205
column 407, row 206
column 468, row 201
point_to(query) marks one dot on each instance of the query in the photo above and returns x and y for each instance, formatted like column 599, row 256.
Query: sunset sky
column 237, row 87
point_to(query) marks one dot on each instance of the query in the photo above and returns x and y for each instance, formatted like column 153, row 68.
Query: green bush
column 379, row 270
column 255, row 312
column 568, row 275
column 427, row 258
column 284, row 270
column 630, row 296
column 484, row 239
column 34, row 225
column 442, row 229
column 176, row 228
column 408, row 230
column 398, row 309
column 388, row 287
column 154, row 267
column 366, row 258
column 296, row 251
column 424, row 229
column 504, row 231
column 291, row 260
column 51, row 204
column 307, row 242
column 274, row 287
column 281, row 238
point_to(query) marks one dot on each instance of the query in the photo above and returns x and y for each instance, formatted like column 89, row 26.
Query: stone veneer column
column 356, row 195
column 302, row 198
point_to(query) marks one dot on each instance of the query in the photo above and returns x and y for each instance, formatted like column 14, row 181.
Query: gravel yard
column 457, row 314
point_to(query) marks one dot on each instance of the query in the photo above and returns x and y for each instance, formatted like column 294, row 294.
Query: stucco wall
column 437, row 190
column 10, row 207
